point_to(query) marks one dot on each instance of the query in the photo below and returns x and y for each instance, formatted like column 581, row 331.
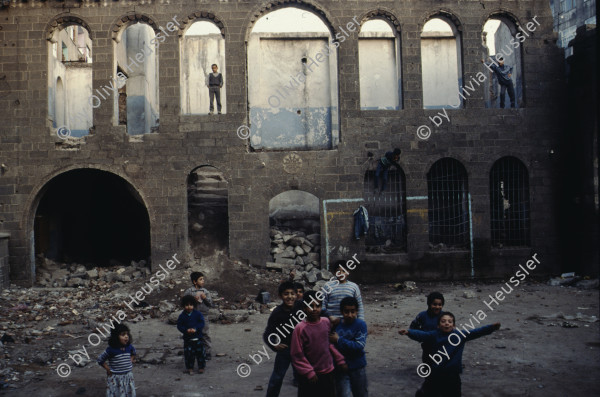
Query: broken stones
column 166, row 306
column 235, row 316
column 294, row 247
column 314, row 238
column 406, row 286
column 311, row 276
column 274, row 266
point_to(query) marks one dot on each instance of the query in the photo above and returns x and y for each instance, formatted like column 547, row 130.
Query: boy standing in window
column 504, row 75
column 214, row 82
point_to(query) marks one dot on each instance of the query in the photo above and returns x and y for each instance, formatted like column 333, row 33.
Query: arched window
column 202, row 45
column 292, row 82
column 500, row 39
column 509, row 203
column 70, row 79
column 136, row 80
column 387, row 212
column 448, row 204
column 379, row 66
column 441, row 64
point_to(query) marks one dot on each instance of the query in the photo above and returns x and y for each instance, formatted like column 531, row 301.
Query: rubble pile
column 52, row 274
column 295, row 250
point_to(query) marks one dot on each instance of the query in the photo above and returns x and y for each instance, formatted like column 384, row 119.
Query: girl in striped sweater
column 120, row 355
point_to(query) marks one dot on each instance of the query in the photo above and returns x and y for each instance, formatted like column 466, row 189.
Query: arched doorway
column 91, row 217
column 208, row 214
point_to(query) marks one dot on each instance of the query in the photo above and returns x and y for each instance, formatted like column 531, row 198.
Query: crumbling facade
column 471, row 200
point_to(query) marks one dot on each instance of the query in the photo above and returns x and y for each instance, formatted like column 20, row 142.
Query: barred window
column 448, row 204
column 387, row 212
column 509, row 203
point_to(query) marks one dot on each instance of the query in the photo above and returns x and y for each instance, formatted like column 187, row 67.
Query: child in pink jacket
column 312, row 354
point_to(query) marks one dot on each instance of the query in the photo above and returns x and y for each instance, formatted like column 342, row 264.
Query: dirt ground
column 531, row 355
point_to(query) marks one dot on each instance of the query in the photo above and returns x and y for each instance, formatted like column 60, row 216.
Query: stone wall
column 158, row 164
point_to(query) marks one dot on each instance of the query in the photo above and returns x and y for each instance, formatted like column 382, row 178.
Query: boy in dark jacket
column 449, row 343
column 428, row 320
column 384, row 164
column 350, row 338
column 504, row 75
column 285, row 318
column 214, row 81
column 190, row 324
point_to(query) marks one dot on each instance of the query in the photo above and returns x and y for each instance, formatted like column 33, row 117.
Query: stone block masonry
column 156, row 166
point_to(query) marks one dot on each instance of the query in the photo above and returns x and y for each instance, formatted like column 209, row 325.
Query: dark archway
column 208, row 211
column 91, row 216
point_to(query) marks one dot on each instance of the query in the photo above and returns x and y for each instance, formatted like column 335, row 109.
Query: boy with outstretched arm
column 449, row 343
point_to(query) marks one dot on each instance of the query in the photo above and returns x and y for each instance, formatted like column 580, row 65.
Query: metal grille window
column 509, row 203
column 448, row 204
column 387, row 213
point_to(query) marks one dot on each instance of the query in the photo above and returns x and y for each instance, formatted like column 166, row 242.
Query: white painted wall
column 287, row 113
column 142, row 81
column 440, row 74
column 379, row 82
column 78, row 91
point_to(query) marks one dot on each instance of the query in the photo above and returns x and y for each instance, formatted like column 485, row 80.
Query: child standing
column 428, row 320
column 350, row 338
column 120, row 355
column 444, row 380
column 281, row 315
column 205, row 302
column 214, row 81
column 340, row 289
column 312, row 354
column 190, row 324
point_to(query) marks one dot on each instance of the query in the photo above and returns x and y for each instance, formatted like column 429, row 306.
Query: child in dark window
column 384, row 164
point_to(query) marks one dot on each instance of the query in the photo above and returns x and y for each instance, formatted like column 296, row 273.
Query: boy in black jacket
column 282, row 322
column 190, row 324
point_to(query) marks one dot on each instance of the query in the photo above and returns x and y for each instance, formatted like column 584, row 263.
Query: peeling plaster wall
column 142, row 83
column 78, row 91
column 380, row 85
column 441, row 77
column 285, row 111
column 198, row 53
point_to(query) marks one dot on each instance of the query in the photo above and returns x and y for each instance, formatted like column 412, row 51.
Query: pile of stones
column 297, row 251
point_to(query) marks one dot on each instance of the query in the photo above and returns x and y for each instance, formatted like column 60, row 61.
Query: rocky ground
column 548, row 344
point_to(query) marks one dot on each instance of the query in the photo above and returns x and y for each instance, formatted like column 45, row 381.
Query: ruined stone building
column 108, row 153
